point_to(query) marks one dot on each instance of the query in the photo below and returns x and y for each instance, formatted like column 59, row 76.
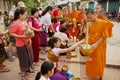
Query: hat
column 22, row 4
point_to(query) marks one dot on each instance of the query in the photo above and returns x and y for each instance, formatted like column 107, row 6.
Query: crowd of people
column 30, row 37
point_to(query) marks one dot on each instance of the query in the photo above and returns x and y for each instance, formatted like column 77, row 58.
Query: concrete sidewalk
column 113, row 55
column 113, row 47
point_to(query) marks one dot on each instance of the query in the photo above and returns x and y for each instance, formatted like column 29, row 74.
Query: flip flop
column 23, row 78
column 25, row 74
column 4, row 70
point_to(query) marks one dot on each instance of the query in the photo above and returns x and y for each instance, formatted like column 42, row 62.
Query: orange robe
column 109, row 27
column 95, row 68
column 80, row 16
column 74, row 30
column 74, row 14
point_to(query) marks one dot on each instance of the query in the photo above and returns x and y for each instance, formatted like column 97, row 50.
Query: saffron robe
column 109, row 27
column 74, row 14
column 95, row 68
column 80, row 16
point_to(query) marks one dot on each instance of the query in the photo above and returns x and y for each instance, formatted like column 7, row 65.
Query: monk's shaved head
column 98, row 8
column 102, row 12
column 89, row 11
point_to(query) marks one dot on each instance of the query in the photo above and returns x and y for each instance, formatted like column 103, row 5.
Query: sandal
column 23, row 78
column 4, row 70
column 25, row 74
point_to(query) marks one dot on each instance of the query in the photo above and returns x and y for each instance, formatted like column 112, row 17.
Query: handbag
column 52, row 57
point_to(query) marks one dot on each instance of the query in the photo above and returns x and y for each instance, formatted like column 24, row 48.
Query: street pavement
column 113, row 46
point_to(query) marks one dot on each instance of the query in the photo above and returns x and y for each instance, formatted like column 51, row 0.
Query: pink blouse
column 36, row 24
column 18, row 28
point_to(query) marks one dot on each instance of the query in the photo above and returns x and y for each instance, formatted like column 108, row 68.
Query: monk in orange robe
column 74, row 13
column 81, row 14
column 97, row 39
column 102, row 15
column 98, row 8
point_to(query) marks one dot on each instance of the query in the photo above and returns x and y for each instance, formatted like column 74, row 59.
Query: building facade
column 60, row 2
column 108, row 5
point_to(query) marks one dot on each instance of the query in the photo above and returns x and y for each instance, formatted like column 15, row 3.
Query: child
column 62, row 24
column 60, row 75
column 47, row 70
column 53, row 54
column 55, row 24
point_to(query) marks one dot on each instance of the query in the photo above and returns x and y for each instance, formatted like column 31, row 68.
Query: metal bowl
column 86, row 52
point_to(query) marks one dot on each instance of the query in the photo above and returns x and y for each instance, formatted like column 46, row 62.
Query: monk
column 73, row 29
column 102, row 15
column 81, row 14
column 97, row 40
column 69, row 13
column 81, row 20
column 74, row 13
column 98, row 8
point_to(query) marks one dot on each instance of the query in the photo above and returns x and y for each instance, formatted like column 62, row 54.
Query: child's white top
column 56, row 51
column 43, row 78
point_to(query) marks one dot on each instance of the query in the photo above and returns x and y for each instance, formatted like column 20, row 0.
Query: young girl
column 47, row 70
column 53, row 54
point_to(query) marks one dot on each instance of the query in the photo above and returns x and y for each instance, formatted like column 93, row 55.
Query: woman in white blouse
column 45, row 21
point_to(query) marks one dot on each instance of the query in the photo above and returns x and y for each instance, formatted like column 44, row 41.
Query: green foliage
column 32, row 3
column 29, row 4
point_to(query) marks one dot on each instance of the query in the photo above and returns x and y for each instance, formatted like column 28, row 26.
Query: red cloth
column 18, row 28
column 56, row 13
column 35, row 40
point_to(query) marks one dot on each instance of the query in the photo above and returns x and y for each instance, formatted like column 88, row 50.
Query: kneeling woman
column 53, row 54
